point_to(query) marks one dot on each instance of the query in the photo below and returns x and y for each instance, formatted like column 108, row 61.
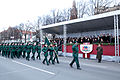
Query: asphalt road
column 20, row 69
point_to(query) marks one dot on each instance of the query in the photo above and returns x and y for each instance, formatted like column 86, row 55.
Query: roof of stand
column 103, row 21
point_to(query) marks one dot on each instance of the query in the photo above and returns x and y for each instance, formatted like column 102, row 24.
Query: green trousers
column 56, row 58
column 51, row 59
column 24, row 54
column 75, row 59
column 12, row 55
column 38, row 56
column 45, row 59
column 33, row 56
column 28, row 56
column 8, row 54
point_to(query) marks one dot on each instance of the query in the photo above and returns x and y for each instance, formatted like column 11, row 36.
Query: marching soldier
column 12, row 50
column 38, row 51
column 28, row 51
column 0, row 48
column 75, row 56
column 51, row 49
column 3, row 49
column 56, row 54
column 21, row 48
column 18, row 49
column 45, row 50
column 24, row 50
column 15, row 54
column 33, row 51
column 8, row 50
column 99, row 53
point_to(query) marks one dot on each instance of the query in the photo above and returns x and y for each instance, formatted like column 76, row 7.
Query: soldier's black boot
column 79, row 68
column 43, row 61
column 71, row 65
column 37, row 57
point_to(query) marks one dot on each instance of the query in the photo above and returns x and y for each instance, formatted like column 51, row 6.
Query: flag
column 47, row 41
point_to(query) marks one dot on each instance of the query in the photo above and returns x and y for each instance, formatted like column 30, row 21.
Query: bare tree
column 66, row 14
column 36, row 27
column 25, row 28
column 19, row 27
column 81, row 8
column 96, row 5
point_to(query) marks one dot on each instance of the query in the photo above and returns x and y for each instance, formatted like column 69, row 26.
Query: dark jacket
column 99, row 52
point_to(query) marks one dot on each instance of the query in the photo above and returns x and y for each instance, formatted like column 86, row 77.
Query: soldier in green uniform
column 33, row 51
column 28, row 51
column 3, row 49
column 0, row 48
column 51, row 49
column 21, row 48
column 99, row 53
column 24, row 50
column 8, row 50
column 45, row 50
column 38, row 51
column 56, row 53
column 17, row 50
column 75, row 55
column 12, row 50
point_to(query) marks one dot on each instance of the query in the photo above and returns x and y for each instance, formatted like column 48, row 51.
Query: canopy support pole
column 65, row 36
column 116, row 34
column 41, row 34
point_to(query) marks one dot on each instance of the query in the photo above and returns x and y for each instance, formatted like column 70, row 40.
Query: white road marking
column 13, row 72
column 34, row 67
column 2, row 57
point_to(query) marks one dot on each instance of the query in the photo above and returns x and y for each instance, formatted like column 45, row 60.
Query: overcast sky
column 13, row 12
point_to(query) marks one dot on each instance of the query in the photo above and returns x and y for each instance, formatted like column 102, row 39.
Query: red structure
column 108, row 50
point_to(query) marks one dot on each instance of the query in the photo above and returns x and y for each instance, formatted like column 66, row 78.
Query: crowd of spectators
column 103, row 38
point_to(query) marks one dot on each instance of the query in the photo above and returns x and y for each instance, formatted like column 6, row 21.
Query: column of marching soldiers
column 23, row 50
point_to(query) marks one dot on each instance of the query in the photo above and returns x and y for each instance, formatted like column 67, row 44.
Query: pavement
column 20, row 69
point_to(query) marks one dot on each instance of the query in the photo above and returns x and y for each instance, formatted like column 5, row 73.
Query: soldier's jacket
column 28, row 48
column 75, row 50
column 5, row 48
column 12, row 48
column 19, row 48
column 0, row 47
column 45, row 50
column 8, row 48
column 24, row 48
column 51, row 49
column 15, row 47
column 39, row 49
column 34, row 48
column 99, row 52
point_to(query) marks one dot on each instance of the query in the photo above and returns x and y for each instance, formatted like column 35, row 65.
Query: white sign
column 86, row 48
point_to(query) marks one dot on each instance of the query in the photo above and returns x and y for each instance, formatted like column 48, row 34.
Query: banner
column 86, row 48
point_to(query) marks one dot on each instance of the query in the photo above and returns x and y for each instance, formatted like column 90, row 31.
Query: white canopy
column 103, row 21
